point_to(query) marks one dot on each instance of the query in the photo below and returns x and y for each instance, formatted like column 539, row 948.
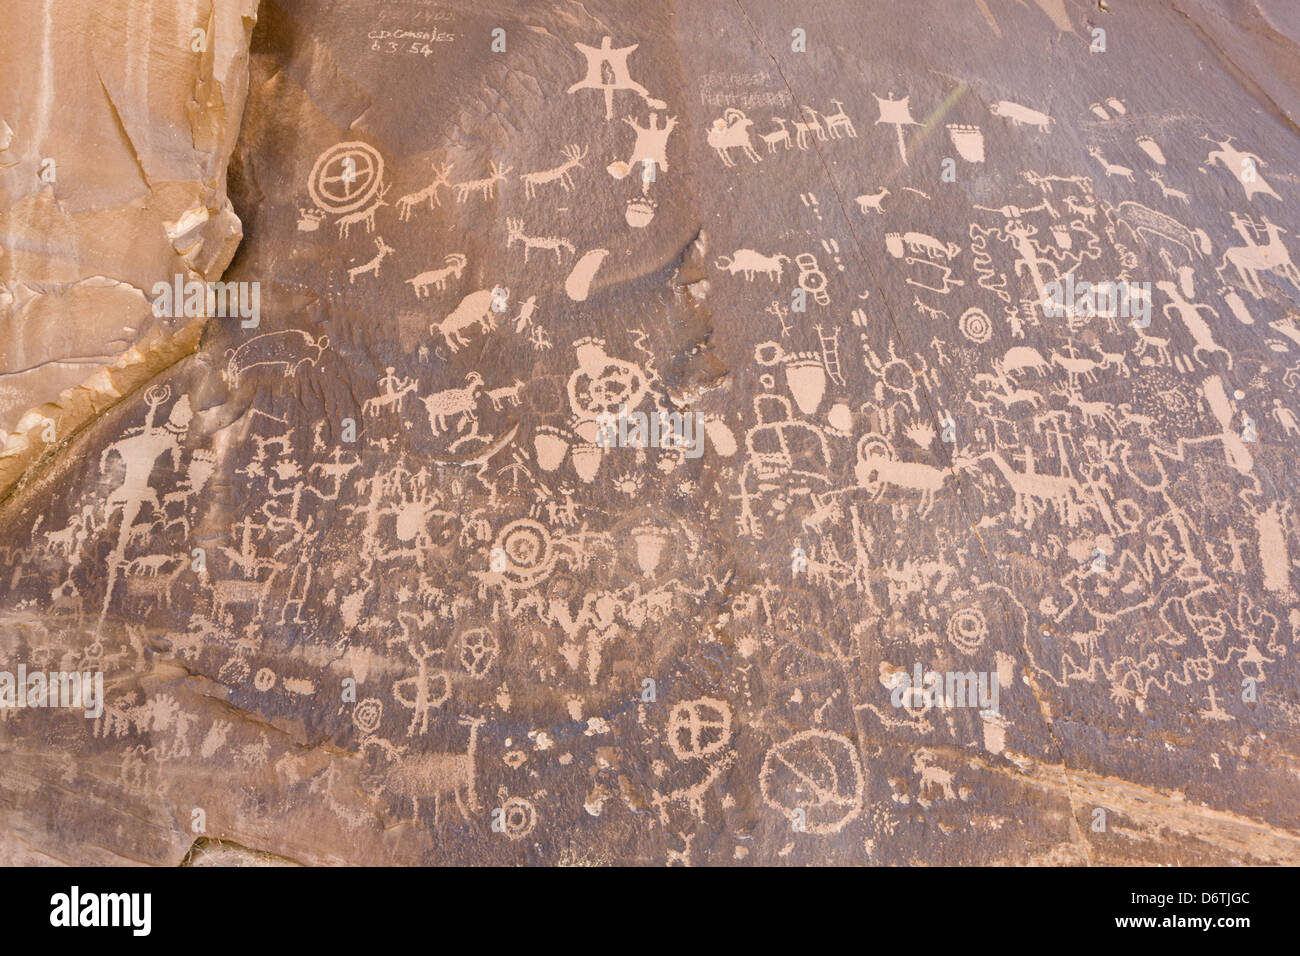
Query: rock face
column 117, row 120
column 696, row 434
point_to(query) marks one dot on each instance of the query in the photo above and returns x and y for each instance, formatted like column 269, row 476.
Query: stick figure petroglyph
column 428, row 689
column 139, row 452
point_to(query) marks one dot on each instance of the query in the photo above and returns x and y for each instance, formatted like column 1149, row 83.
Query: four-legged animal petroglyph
column 1253, row 259
column 485, row 187
column 455, row 266
column 731, row 131
column 561, row 174
column 508, row 393
column 372, row 265
column 429, row 193
column 872, row 201
column 556, row 244
column 475, row 309
column 366, row 215
column 749, row 263
column 1112, row 169
column 454, row 401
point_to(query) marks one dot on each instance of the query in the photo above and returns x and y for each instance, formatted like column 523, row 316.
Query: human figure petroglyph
column 607, row 71
column 1244, row 167
column 392, row 389
column 406, row 204
column 1190, row 315
column 140, row 451
column 429, row 689
column 1253, row 259
column 454, row 266
column 562, row 174
column 1286, row 418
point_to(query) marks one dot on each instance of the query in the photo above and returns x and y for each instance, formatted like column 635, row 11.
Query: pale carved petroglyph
column 454, row 266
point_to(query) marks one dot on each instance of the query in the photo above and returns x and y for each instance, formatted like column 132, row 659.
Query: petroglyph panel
column 696, row 435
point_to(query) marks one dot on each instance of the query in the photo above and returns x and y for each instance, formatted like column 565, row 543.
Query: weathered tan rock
column 120, row 118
